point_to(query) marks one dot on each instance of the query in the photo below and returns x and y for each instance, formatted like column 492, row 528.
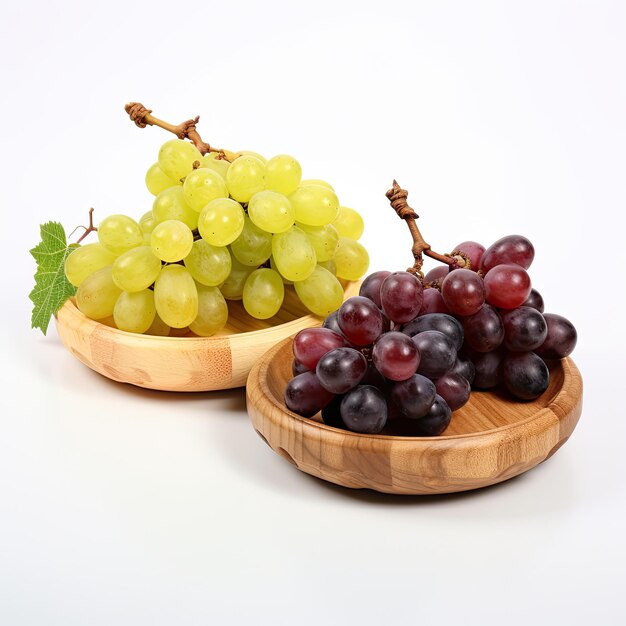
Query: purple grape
column 436, row 420
column 298, row 368
column 437, row 273
column 507, row 286
column 465, row 368
column 311, row 344
column 535, row 301
column 463, row 292
column 442, row 322
column 432, row 302
column 395, row 356
column 525, row 375
column 370, row 287
column 401, row 296
column 511, row 249
column 341, row 369
column 305, row 395
column 474, row 252
column 525, row 329
column 331, row 413
column 414, row 397
column 437, row 353
column 484, row 330
column 376, row 379
column 331, row 323
column 364, row 410
column 454, row 389
column 561, row 337
column 360, row 321
column 487, row 368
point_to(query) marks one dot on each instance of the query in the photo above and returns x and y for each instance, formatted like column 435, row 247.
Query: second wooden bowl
column 187, row 363
column 490, row 439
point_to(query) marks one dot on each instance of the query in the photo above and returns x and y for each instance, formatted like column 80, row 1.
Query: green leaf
column 52, row 288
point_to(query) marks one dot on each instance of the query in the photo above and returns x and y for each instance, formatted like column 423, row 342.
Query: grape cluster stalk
column 406, row 352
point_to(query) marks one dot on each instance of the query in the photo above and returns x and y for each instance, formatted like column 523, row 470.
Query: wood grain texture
column 490, row 439
column 186, row 363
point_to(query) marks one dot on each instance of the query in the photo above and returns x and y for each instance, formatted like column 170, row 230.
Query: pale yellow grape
column 211, row 161
column 85, row 260
column 176, row 158
column 263, row 293
column 171, row 241
column 158, row 328
column 176, row 296
column 136, row 269
column 331, row 266
column 203, row 185
column 232, row 287
column 325, row 240
column 316, row 181
column 157, row 180
column 256, row 155
column 253, row 246
column 119, row 233
column 97, row 294
column 221, row 221
column 283, row 174
column 314, row 205
column 171, row 205
column 135, row 312
column 212, row 312
column 349, row 223
column 208, row 264
column 273, row 266
column 321, row 292
column 294, row 254
column 351, row 259
column 147, row 222
column 271, row 211
column 245, row 177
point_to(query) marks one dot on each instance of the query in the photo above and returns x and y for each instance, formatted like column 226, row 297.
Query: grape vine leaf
column 52, row 288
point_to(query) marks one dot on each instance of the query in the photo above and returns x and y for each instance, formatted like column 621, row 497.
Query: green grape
column 147, row 223
column 256, row 155
column 210, row 161
column 85, row 260
column 119, row 233
column 171, row 205
column 316, row 181
column 208, row 264
column 232, row 287
column 203, row 185
column 158, row 328
column 351, row 259
column 176, row 296
column 245, row 176
column 271, row 211
column 135, row 312
column 331, row 266
column 253, row 246
column 325, row 240
column 321, row 292
column 176, row 158
column 136, row 269
column 349, row 223
column 314, row 205
column 171, row 241
column 294, row 254
column 221, row 221
column 157, row 180
column 212, row 312
column 273, row 266
column 283, row 174
column 97, row 294
column 263, row 293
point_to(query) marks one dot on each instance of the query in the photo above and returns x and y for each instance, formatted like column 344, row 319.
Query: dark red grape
column 436, row 420
column 298, row 368
column 331, row 413
column 507, row 286
column 364, row 410
column 401, row 296
column 525, row 329
column 525, row 375
column 414, row 396
column 474, row 252
column 437, row 273
column 332, row 323
column 442, row 322
column 454, row 389
column 561, row 337
column 375, row 378
column 487, row 369
column 305, row 395
column 311, row 344
column 437, row 353
column 535, row 301
column 432, row 302
column 341, row 369
column 395, row 356
column 510, row 249
column 370, row 287
column 465, row 368
column 463, row 292
column 360, row 321
column 484, row 330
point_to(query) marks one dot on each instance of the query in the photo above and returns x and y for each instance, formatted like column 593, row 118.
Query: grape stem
column 88, row 229
column 143, row 117
column 398, row 200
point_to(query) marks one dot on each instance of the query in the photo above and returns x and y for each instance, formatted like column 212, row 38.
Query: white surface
column 121, row 506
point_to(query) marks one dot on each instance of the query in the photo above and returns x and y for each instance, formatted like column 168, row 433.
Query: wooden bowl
column 490, row 439
column 187, row 363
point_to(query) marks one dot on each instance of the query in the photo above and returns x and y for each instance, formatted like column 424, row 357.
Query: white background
column 122, row 506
